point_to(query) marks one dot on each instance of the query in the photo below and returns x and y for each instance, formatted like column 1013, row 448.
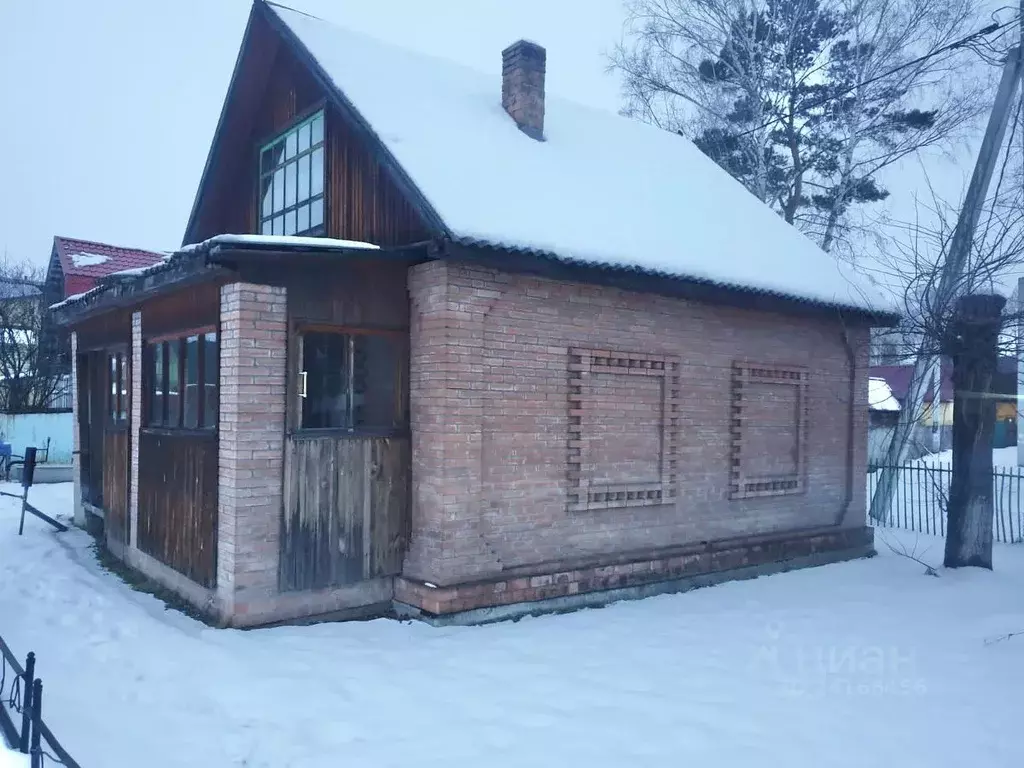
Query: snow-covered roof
column 75, row 297
column 600, row 189
column 88, row 259
column 285, row 242
column 880, row 396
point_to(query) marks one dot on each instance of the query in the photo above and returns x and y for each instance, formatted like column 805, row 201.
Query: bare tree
column 29, row 377
column 933, row 326
column 803, row 101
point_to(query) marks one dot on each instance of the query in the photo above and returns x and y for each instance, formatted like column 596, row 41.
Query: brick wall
column 490, row 393
column 136, row 426
column 76, row 437
column 251, row 449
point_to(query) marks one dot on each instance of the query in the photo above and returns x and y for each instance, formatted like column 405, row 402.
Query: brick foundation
column 677, row 568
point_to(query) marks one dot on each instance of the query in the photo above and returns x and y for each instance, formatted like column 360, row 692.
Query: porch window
column 117, row 398
column 182, row 381
column 351, row 380
column 292, row 181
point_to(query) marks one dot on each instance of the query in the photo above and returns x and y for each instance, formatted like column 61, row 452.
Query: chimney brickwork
column 522, row 86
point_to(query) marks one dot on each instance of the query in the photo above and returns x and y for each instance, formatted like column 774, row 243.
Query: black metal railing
column 922, row 493
column 21, row 712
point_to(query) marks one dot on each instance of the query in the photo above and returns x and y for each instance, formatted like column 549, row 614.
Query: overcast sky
column 109, row 106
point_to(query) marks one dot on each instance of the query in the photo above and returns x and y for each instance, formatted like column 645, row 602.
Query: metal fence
column 21, row 713
column 922, row 492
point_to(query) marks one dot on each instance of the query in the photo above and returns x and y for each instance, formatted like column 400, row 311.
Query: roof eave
column 211, row 262
column 116, row 292
column 547, row 264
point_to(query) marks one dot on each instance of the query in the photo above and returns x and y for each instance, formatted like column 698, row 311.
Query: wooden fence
column 922, row 491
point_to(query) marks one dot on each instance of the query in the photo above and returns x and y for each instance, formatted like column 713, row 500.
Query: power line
column 964, row 41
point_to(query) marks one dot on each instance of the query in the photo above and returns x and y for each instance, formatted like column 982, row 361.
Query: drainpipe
column 851, row 418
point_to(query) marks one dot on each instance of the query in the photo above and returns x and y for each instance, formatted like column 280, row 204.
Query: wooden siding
column 106, row 330
column 195, row 306
column 178, row 502
column 92, row 418
column 363, row 203
column 346, row 510
column 273, row 90
column 116, row 483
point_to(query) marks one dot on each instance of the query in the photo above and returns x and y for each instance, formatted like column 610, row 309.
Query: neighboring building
column 478, row 361
column 1004, row 389
column 76, row 267
column 883, row 414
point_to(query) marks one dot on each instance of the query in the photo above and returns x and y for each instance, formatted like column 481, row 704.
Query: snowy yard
column 863, row 663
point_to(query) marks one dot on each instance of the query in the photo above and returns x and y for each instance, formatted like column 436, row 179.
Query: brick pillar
column 136, row 427
column 254, row 335
column 446, row 403
column 76, row 438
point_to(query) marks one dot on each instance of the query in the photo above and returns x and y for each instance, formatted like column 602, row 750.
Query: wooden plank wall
column 274, row 89
column 346, row 502
column 93, row 421
column 116, row 483
column 178, row 502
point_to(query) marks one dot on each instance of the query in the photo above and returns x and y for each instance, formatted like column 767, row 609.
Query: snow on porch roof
column 601, row 189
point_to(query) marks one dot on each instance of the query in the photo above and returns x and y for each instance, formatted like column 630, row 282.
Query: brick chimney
column 522, row 86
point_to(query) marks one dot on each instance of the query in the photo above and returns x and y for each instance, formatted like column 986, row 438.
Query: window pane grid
column 350, row 381
column 183, row 382
column 292, row 181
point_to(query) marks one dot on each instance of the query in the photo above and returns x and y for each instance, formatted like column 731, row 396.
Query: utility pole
column 952, row 272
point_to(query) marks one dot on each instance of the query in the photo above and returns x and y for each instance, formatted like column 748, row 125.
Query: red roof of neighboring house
column 84, row 261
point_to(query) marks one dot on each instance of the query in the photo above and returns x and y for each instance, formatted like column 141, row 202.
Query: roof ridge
column 295, row 10
column 64, row 238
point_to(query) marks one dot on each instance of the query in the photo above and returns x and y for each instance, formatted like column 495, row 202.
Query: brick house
column 441, row 343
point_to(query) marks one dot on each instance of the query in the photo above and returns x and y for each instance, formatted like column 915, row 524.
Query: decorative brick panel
column 653, row 484
column 769, row 422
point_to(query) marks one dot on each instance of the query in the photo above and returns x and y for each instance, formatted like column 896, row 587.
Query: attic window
column 292, row 181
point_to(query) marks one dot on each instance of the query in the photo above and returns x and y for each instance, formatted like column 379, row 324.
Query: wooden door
column 91, row 423
column 117, row 446
column 346, row 510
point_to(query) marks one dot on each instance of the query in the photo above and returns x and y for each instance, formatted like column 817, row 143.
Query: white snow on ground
column 859, row 664
column 1001, row 458
column 89, row 259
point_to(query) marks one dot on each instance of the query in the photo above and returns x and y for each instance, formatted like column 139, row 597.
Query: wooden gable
column 275, row 85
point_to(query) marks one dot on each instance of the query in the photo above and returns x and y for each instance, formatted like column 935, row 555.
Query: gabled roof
column 85, row 258
column 601, row 189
